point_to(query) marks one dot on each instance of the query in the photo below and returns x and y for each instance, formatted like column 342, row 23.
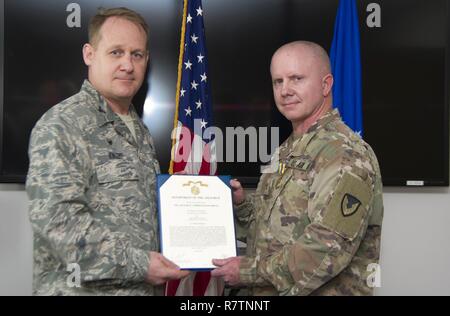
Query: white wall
column 16, row 241
column 415, row 250
column 415, row 255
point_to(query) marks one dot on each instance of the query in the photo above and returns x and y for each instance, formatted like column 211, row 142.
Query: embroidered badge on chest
column 349, row 205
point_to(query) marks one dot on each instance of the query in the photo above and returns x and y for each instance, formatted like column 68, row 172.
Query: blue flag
column 346, row 65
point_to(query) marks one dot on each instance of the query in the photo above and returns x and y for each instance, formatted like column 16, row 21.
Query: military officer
column 92, row 174
column 314, row 226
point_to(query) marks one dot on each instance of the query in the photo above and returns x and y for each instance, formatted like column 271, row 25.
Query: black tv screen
column 404, row 62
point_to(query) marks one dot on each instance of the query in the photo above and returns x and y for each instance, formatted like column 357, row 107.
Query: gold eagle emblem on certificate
column 195, row 186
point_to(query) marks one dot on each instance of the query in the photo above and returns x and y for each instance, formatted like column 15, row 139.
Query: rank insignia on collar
column 281, row 168
column 349, row 205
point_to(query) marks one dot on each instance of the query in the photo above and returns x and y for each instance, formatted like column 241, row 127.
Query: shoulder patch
column 349, row 205
column 346, row 211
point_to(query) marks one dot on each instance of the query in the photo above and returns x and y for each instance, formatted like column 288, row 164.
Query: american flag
column 193, row 115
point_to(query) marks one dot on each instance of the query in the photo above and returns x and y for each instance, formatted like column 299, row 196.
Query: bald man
column 314, row 226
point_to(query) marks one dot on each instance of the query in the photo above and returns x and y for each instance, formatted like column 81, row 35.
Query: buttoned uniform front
column 92, row 192
column 313, row 227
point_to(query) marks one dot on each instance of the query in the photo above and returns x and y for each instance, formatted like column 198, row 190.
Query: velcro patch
column 300, row 164
column 348, row 206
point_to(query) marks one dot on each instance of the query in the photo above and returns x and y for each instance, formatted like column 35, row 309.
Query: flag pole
column 177, row 96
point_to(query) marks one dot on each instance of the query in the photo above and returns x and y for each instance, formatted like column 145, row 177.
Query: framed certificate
column 196, row 220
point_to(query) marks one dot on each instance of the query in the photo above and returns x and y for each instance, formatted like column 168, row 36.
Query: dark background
column 404, row 74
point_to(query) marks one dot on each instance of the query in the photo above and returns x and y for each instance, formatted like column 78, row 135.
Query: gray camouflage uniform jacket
column 314, row 226
column 91, row 187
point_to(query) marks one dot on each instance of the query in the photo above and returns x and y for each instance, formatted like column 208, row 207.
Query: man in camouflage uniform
column 91, row 180
column 314, row 226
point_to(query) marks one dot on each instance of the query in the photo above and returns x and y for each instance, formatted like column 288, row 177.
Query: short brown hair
column 122, row 12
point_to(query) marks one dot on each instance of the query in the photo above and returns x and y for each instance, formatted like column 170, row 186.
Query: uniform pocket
column 113, row 170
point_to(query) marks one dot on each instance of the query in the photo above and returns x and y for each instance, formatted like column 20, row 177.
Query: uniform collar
column 327, row 118
column 105, row 114
column 304, row 139
column 102, row 106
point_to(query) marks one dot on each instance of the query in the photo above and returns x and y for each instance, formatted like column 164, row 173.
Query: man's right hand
column 161, row 270
column 238, row 192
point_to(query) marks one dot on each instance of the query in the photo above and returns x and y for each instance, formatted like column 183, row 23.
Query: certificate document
column 196, row 220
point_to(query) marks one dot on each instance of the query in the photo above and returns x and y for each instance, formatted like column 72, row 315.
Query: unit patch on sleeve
column 348, row 206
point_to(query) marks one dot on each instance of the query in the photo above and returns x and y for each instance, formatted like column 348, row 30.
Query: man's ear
column 327, row 84
column 88, row 54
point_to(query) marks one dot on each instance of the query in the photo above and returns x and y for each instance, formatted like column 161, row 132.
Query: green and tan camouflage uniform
column 314, row 226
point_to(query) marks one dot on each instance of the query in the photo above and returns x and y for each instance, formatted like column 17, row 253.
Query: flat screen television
column 404, row 61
